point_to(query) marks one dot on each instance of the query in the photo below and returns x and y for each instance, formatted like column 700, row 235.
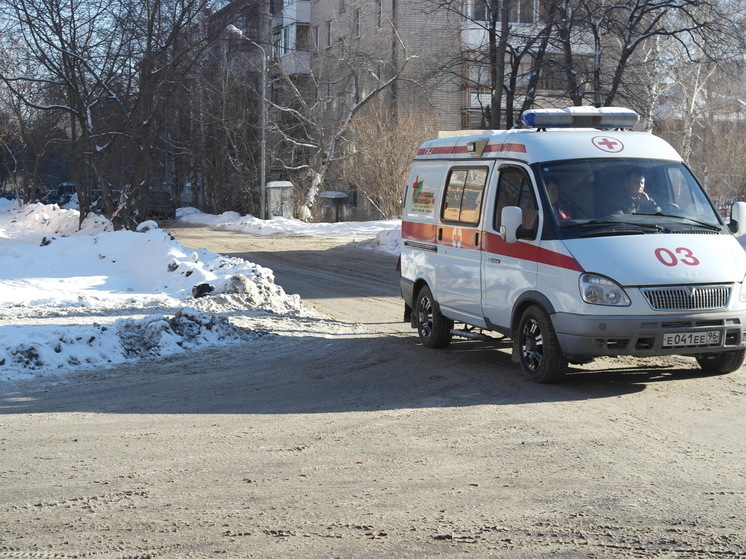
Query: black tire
column 434, row 328
column 540, row 354
column 721, row 363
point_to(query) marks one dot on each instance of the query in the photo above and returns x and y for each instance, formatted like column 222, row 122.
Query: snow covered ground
column 89, row 298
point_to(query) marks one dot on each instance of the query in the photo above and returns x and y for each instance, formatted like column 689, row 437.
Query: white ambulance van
column 576, row 237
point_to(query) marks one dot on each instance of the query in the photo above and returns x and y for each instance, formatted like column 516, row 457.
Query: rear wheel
column 434, row 328
column 721, row 363
column 540, row 354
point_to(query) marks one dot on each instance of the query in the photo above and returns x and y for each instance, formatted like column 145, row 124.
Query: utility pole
column 263, row 123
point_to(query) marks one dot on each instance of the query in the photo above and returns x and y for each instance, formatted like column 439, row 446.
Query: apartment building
column 354, row 46
column 424, row 56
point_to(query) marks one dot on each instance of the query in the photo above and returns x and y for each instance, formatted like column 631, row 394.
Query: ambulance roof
column 602, row 135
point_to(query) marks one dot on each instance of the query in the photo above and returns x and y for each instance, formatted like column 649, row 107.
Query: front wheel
column 540, row 354
column 721, row 363
column 434, row 328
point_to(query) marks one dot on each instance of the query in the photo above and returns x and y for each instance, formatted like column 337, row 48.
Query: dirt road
column 342, row 437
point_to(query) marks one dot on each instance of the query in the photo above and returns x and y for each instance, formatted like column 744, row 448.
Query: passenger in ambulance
column 563, row 210
column 634, row 199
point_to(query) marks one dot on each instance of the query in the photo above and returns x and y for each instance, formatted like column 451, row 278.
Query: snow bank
column 377, row 235
column 63, row 291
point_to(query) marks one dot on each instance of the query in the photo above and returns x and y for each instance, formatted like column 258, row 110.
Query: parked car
column 161, row 205
column 54, row 197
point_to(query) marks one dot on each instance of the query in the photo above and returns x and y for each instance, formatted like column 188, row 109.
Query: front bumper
column 642, row 336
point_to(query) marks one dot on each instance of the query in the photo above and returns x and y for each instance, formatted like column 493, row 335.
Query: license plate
column 689, row 339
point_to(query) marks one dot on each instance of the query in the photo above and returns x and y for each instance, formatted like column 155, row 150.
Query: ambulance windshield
column 625, row 196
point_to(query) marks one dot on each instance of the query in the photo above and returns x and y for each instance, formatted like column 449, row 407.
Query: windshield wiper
column 611, row 222
column 700, row 223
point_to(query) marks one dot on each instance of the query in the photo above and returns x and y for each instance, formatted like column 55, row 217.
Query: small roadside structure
column 280, row 199
column 333, row 205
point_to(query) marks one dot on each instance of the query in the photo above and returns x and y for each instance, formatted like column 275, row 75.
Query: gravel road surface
column 340, row 436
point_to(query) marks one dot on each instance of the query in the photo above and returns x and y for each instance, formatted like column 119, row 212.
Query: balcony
column 296, row 12
column 296, row 63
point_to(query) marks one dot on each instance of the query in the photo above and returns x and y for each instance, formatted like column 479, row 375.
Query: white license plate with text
column 689, row 339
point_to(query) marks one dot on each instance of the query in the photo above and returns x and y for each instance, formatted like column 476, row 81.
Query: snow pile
column 31, row 348
column 377, row 235
column 388, row 241
column 39, row 220
column 132, row 269
column 63, row 292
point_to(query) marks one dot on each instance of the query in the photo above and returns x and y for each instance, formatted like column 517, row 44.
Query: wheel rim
column 426, row 317
column 532, row 344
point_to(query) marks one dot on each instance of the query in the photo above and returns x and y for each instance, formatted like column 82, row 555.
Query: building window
column 479, row 10
column 379, row 13
column 479, row 75
column 358, row 22
column 277, row 43
column 316, row 37
column 284, row 45
column 328, row 34
column 303, row 39
column 553, row 76
column 521, row 11
column 342, row 6
column 353, row 197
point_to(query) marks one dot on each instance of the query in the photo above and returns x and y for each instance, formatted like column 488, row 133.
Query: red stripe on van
column 490, row 148
column 494, row 244
column 440, row 150
column 467, row 238
column 520, row 148
column 423, row 232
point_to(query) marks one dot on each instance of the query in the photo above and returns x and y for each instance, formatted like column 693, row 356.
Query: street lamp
column 263, row 123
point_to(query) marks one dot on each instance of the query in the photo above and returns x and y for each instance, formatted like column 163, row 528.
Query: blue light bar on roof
column 581, row 117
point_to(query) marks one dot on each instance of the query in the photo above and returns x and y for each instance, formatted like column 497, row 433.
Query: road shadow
column 308, row 374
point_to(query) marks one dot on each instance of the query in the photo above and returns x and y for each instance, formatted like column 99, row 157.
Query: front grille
column 688, row 297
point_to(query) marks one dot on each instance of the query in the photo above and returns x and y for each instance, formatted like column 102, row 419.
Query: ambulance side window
column 462, row 201
column 514, row 189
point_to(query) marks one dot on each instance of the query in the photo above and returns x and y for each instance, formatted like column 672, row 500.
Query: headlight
column 743, row 290
column 598, row 290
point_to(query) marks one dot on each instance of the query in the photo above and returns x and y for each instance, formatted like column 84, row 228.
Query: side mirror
column 737, row 224
column 511, row 219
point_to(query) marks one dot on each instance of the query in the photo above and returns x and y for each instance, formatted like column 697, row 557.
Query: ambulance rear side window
column 462, row 202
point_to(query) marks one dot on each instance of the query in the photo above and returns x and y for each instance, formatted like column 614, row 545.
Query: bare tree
column 71, row 60
column 599, row 47
column 381, row 152
column 614, row 33
column 228, row 118
column 312, row 118
column 513, row 49
column 702, row 115
column 34, row 155
column 111, row 67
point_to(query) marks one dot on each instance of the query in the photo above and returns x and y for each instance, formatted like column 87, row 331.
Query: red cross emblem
column 608, row 144
column 456, row 237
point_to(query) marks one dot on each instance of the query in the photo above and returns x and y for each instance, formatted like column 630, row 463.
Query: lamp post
column 263, row 123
